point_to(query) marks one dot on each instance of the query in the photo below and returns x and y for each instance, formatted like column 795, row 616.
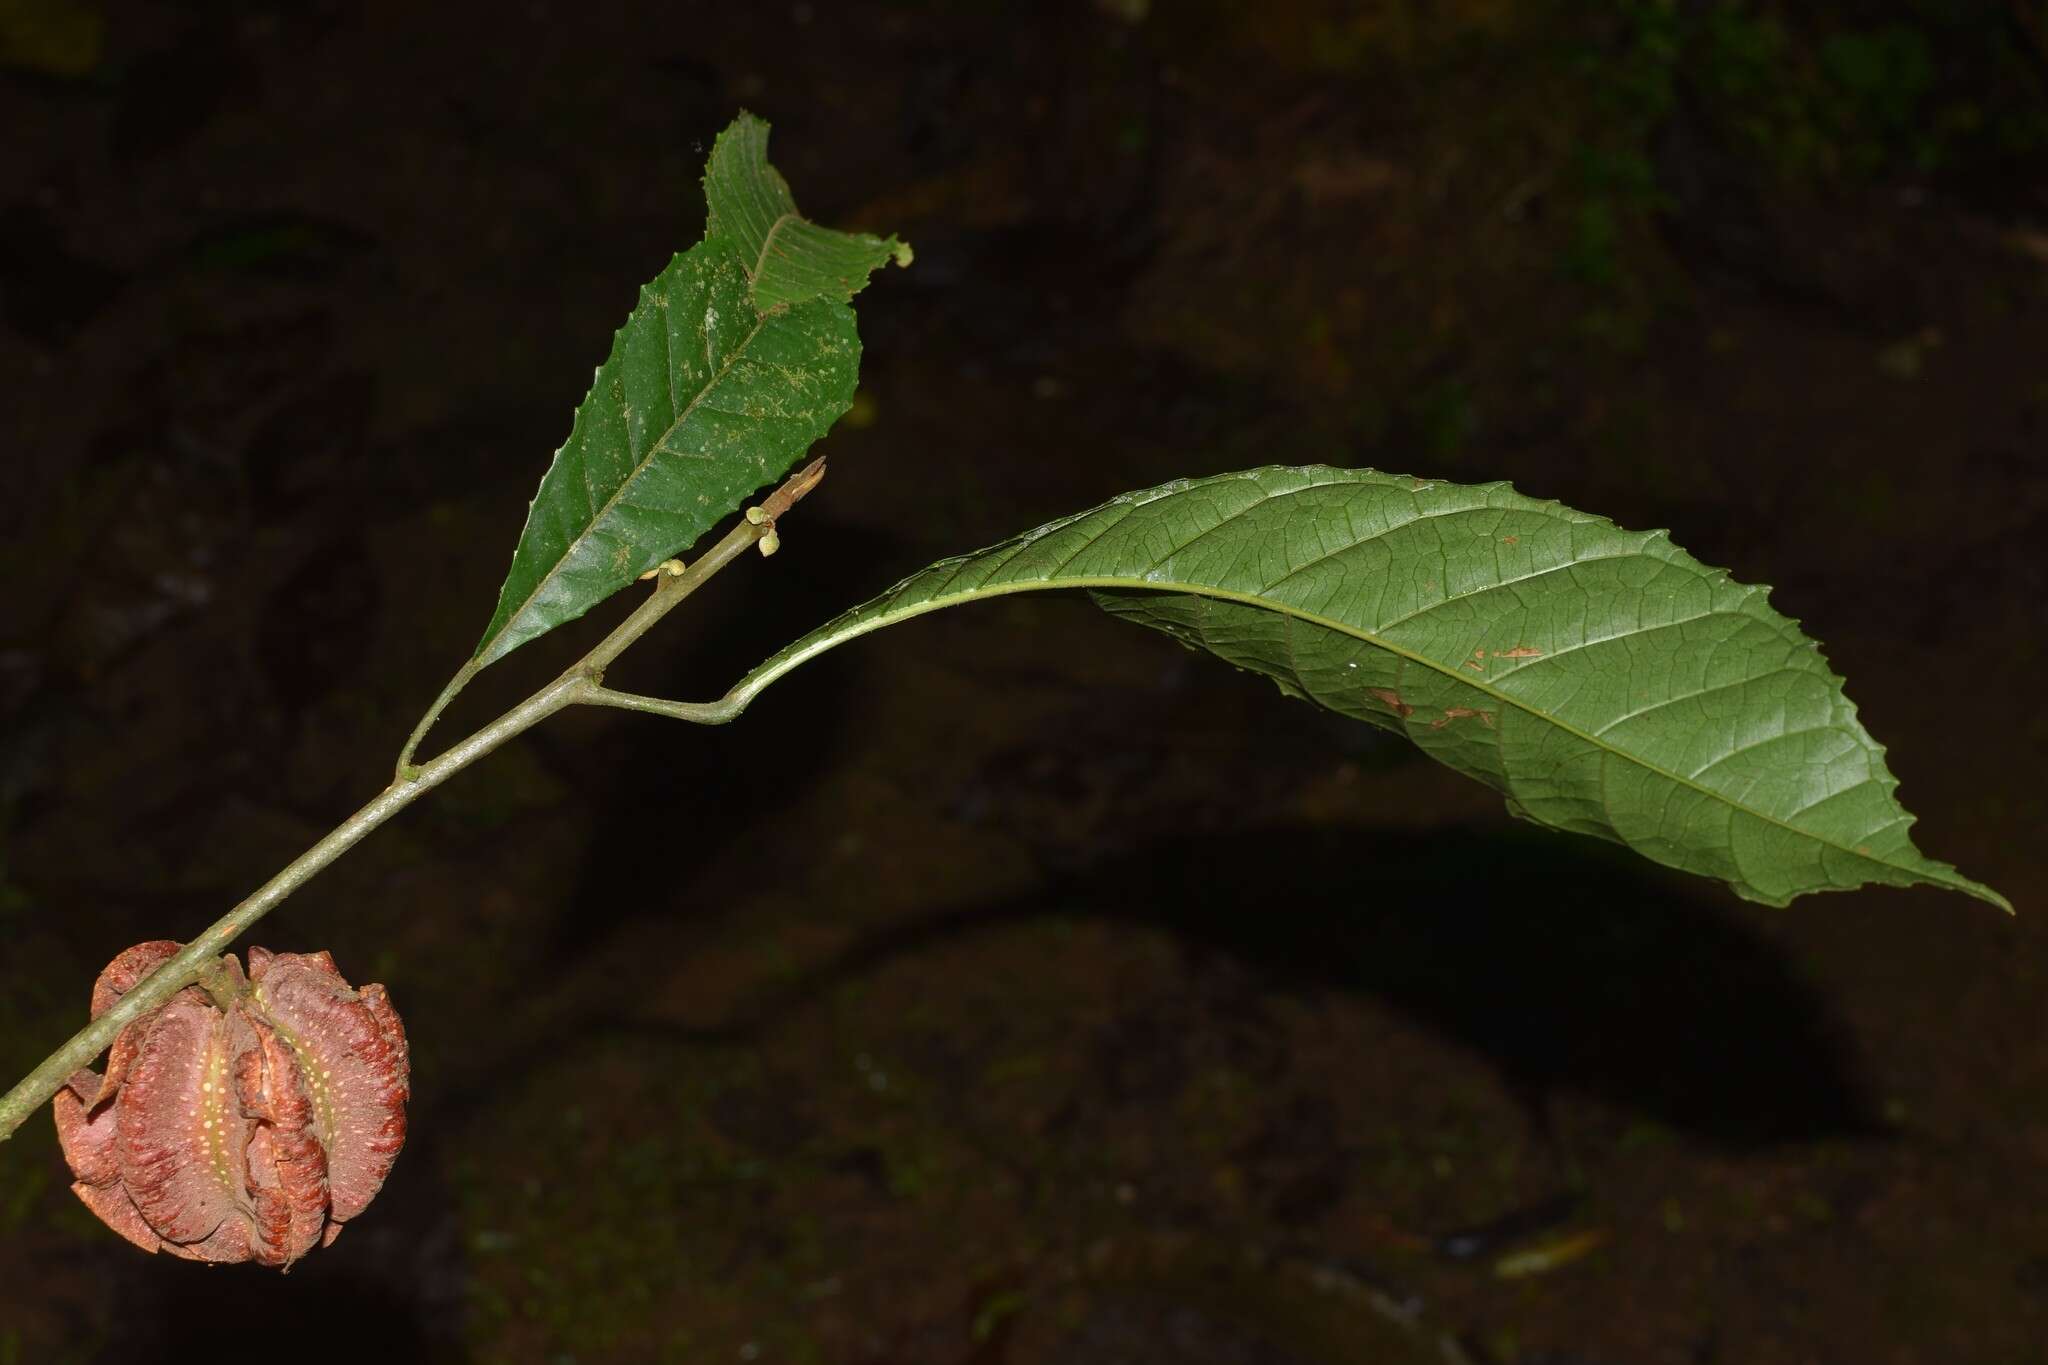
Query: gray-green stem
column 581, row 683
column 184, row 968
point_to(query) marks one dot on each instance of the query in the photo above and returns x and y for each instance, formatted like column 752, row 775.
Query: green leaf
column 701, row 402
column 789, row 259
column 1604, row 681
column 708, row 394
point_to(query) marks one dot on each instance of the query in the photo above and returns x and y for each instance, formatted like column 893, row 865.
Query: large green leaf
column 709, row 393
column 1604, row 681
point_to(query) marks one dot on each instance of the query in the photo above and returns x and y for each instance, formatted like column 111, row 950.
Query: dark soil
column 1015, row 987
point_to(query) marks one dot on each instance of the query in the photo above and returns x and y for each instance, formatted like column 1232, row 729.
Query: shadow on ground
column 1566, row 969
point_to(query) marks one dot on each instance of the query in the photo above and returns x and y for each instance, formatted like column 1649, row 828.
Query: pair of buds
column 769, row 542
column 778, row 502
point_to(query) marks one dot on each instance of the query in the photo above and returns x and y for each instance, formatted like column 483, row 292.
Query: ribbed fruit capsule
column 244, row 1122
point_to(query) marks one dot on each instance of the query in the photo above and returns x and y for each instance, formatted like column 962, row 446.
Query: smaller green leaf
column 788, row 259
column 708, row 394
column 701, row 402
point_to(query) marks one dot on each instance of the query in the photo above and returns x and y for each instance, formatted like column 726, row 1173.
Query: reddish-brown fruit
column 243, row 1125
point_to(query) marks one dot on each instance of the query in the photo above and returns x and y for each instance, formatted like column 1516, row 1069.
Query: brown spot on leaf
column 1392, row 699
column 1519, row 652
column 1452, row 713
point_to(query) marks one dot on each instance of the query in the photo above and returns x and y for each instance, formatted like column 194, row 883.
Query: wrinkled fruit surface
column 250, row 1133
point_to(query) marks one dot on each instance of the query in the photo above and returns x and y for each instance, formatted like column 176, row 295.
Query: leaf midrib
column 654, row 448
column 752, row 686
column 761, row 258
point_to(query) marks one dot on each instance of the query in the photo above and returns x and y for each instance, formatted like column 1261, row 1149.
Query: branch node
column 223, row 982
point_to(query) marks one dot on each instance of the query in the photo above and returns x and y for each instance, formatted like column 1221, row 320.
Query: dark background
column 1015, row 987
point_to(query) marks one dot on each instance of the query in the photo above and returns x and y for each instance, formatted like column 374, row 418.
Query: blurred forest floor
column 1015, row 988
